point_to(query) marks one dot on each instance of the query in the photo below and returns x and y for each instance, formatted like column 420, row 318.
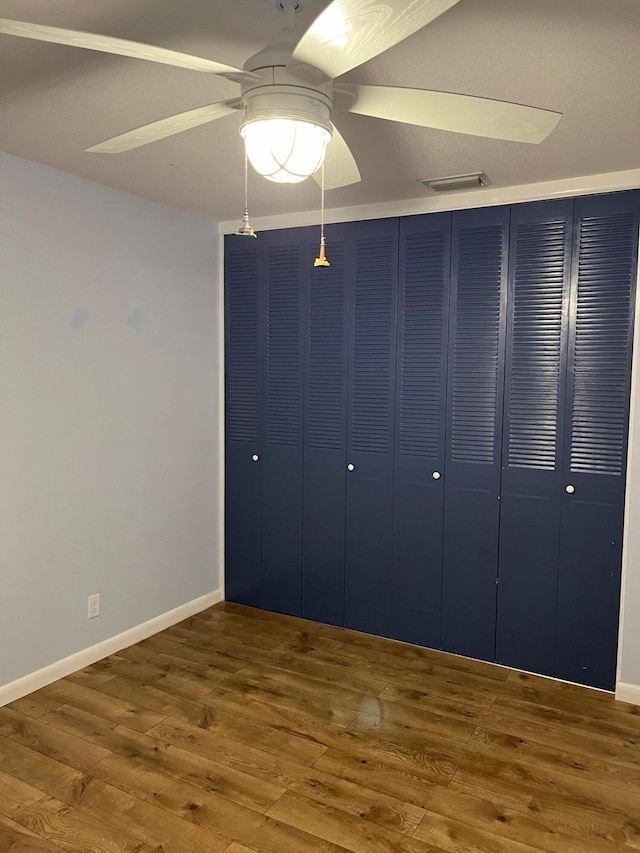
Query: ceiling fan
column 288, row 91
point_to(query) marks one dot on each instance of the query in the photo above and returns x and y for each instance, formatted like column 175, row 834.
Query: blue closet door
column 325, row 416
column 423, row 294
column 591, row 523
column 244, row 308
column 285, row 267
column 474, row 415
column 534, row 404
column 369, row 580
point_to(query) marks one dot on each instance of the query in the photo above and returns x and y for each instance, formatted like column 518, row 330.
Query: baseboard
column 59, row 669
column 626, row 692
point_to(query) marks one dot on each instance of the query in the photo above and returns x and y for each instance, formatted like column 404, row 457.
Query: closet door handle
column 436, row 475
column 351, row 467
column 255, row 457
column 569, row 489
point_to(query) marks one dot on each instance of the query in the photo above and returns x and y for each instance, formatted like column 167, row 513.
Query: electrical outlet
column 94, row 605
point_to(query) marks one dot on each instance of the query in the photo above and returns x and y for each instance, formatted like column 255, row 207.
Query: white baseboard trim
column 626, row 692
column 59, row 669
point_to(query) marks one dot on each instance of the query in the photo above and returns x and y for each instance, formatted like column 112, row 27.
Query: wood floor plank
column 360, row 736
column 170, row 676
column 16, row 839
column 322, row 710
column 277, row 743
column 450, row 700
column 52, row 777
column 243, row 731
column 102, row 705
column 602, row 723
column 194, row 711
column 246, row 776
column 336, row 694
column 255, row 792
column 49, row 741
column 234, row 847
column 147, row 822
column 16, row 795
column 575, row 814
column 457, row 837
column 236, row 645
column 403, row 783
column 239, row 629
column 35, row 705
column 209, row 810
column 354, row 709
column 538, row 828
column 89, row 677
column 339, row 827
column 73, row 831
column 309, row 641
column 624, row 751
column 563, row 760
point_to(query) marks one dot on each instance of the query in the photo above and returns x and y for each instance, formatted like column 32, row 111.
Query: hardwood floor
column 251, row 732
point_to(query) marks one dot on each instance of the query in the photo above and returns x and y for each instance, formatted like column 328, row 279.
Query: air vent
column 457, row 182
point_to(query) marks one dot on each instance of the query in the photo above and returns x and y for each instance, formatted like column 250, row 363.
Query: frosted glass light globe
column 284, row 150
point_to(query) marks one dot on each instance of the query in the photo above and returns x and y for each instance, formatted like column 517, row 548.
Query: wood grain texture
column 242, row 731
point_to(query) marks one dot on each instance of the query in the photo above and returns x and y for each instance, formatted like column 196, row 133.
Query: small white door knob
column 570, row 489
column 255, row 457
column 351, row 467
column 436, row 475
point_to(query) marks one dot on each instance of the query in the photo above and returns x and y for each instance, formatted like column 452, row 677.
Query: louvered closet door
column 244, row 308
column 539, row 267
column 325, row 432
column 603, row 294
column 423, row 293
column 284, row 276
column 369, row 520
column 474, row 414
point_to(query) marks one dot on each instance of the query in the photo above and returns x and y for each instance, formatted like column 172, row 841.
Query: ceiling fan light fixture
column 285, row 150
column 286, row 131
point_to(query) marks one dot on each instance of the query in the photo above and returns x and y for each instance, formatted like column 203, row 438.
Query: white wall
column 109, row 412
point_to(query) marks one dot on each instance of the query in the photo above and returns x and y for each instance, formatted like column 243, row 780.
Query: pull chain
column 321, row 260
column 245, row 229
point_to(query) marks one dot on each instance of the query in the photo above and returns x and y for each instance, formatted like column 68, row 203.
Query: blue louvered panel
column 476, row 352
column 536, row 340
column 421, row 344
column 326, row 357
column 326, row 431
column 477, row 323
column 372, row 258
column 599, row 369
column 243, row 346
column 282, row 491
column 423, row 295
column 283, row 349
column 244, row 321
column 538, row 299
column 371, row 403
column 602, row 332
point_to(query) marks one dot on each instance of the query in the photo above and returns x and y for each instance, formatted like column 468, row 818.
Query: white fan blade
column 340, row 167
column 121, row 47
column 165, row 127
column 457, row 113
column 349, row 32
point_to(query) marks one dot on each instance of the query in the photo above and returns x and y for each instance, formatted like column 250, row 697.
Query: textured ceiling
column 579, row 57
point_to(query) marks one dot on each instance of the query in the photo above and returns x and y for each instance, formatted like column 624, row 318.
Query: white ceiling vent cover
column 457, row 182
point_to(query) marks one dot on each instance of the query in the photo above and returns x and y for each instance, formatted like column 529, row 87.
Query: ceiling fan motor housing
column 279, row 93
